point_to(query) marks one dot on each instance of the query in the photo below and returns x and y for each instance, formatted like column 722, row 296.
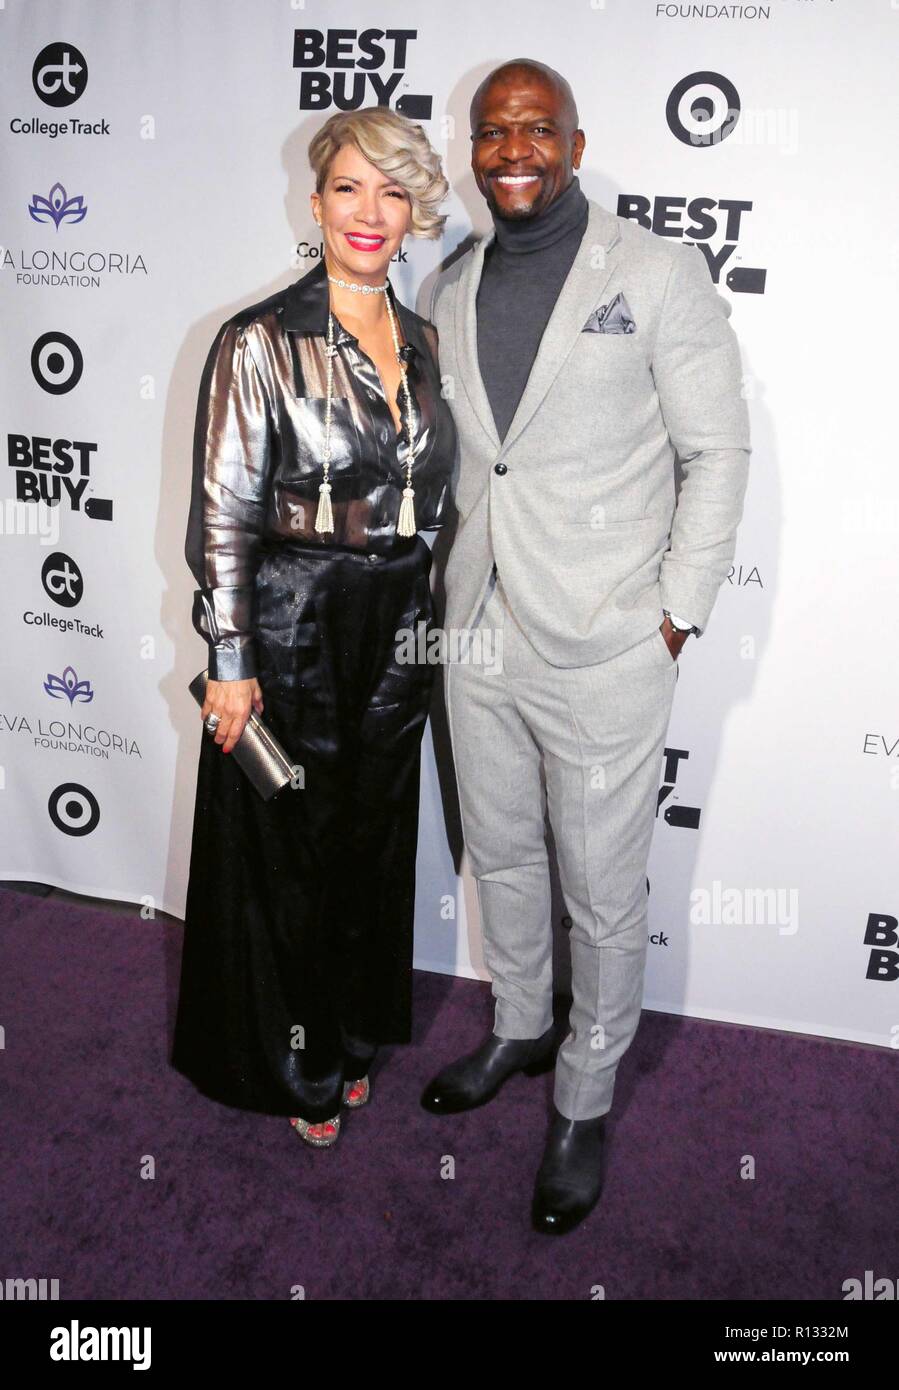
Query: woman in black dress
column 322, row 446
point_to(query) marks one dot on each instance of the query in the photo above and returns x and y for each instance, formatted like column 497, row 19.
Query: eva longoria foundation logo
column 57, row 207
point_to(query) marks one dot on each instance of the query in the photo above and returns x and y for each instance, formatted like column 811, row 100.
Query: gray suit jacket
column 577, row 505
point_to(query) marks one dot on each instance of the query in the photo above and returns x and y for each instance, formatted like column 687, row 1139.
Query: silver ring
column 212, row 722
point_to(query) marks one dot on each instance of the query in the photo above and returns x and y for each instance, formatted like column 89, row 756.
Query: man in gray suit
column 583, row 354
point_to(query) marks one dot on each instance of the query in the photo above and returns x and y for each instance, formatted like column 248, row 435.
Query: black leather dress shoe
column 570, row 1176
column 475, row 1079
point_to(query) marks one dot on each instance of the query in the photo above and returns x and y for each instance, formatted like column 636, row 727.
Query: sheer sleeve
column 430, row 337
column 232, row 453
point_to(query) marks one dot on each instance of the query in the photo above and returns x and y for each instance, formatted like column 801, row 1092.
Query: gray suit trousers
column 584, row 744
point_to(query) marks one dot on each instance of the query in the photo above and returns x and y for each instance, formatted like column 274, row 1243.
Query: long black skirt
column 297, row 957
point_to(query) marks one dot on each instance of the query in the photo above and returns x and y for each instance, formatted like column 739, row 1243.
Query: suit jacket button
column 500, row 468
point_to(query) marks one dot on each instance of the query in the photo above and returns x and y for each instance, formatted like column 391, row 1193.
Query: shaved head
column 527, row 68
column 525, row 139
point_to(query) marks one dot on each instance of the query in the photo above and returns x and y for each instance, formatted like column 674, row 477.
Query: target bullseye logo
column 56, row 363
column 73, row 809
column 703, row 109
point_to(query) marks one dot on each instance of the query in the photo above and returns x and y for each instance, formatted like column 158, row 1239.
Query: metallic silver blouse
column 259, row 443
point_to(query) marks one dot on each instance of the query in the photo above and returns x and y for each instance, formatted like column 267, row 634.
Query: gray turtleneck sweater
column 524, row 270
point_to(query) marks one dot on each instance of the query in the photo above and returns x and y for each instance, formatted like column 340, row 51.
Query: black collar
column 566, row 215
column 306, row 311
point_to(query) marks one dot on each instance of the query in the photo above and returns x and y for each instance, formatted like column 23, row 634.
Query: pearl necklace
column 358, row 289
column 324, row 518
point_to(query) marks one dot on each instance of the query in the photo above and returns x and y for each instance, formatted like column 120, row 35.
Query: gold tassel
column 324, row 521
column 406, row 524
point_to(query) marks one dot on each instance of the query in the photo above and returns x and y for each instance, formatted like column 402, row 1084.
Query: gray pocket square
column 614, row 317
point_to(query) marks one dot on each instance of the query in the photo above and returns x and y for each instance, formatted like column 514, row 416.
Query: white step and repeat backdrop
column 155, row 181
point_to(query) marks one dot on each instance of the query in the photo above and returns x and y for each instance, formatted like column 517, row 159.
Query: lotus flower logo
column 68, row 685
column 58, row 207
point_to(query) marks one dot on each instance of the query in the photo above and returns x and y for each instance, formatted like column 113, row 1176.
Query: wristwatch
column 680, row 623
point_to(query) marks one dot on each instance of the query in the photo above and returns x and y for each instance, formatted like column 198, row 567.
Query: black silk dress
column 297, row 958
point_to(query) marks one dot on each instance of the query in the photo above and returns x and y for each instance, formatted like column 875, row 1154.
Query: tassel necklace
column 324, row 519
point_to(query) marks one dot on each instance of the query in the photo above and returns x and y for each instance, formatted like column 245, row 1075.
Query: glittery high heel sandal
column 320, row 1136
column 356, row 1093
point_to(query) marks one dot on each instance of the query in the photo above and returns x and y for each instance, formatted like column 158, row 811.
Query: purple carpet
column 237, row 1207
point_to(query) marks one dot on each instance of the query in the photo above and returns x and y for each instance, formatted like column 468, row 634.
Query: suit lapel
column 580, row 294
column 467, row 337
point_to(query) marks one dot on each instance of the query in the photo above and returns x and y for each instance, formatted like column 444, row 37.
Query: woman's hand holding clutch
column 232, row 702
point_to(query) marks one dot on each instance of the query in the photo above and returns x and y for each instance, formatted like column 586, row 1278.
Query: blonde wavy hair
column 396, row 146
